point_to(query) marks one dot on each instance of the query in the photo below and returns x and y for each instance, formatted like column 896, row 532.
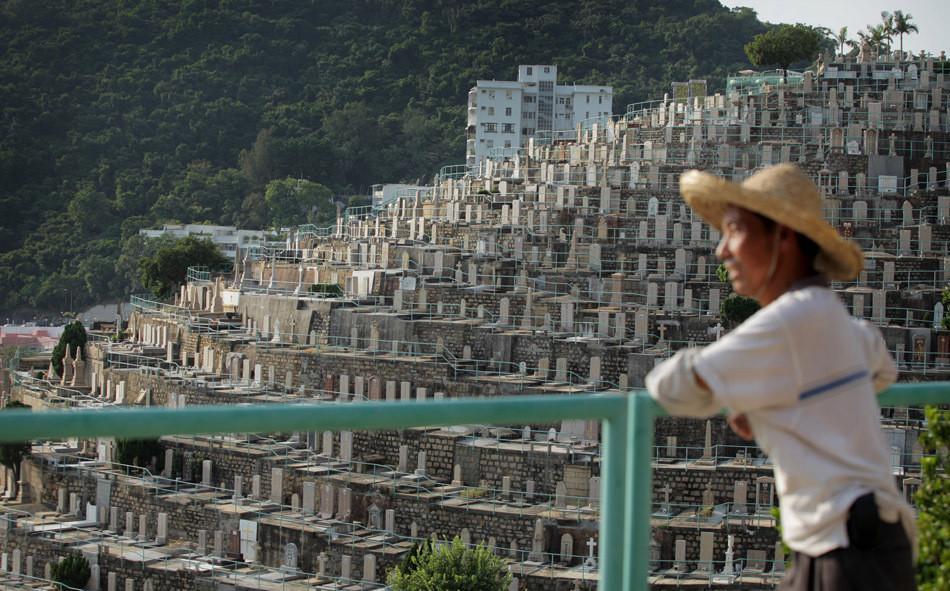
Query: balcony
column 626, row 492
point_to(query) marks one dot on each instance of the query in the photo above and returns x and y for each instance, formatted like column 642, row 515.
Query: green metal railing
column 626, row 472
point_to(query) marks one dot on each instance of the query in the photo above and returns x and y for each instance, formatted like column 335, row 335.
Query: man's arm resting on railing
column 676, row 386
column 682, row 391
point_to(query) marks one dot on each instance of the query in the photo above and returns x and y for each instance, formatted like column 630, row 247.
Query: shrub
column 735, row 309
column 933, row 504
column 449, row 567
column 72, row 571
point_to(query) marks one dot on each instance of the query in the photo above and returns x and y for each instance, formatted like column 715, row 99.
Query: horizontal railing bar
column 153, row 422
column 915, row 394
column 18, row 425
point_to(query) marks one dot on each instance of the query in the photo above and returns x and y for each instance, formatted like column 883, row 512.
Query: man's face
column 746, row 250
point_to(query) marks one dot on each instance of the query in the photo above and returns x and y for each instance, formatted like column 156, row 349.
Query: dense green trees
column 167, row 268
column 122, row 116
column 295, row 201
column 784, row 46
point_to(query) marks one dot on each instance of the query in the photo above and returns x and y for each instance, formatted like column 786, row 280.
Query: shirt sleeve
column 673, row 385
column 880, row 363
column 754, row 367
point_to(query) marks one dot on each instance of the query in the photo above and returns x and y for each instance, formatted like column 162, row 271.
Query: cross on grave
column 662, row 330
column 665, row 507
column 590, row 562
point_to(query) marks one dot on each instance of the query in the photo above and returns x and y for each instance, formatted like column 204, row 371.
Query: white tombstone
column 276, row 485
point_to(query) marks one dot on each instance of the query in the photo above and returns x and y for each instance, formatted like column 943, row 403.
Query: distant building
column 228, row 238
column 502, row 115
column 383, row 194
column 30, row 337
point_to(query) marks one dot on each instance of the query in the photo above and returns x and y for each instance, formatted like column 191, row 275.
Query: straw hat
column 782, row 193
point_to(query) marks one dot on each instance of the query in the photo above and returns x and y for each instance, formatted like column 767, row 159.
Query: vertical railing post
column 638, row 487
column 614, row 495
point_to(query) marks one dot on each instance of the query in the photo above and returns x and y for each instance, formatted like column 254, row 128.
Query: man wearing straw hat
column 800, row 376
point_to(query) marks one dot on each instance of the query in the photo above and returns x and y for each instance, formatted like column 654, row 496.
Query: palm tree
column 903, row 26
column 874, row 36
column 887, row 28
column 842, row 38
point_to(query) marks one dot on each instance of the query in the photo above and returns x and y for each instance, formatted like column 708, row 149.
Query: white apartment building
column 503, row 115
column 228, row 239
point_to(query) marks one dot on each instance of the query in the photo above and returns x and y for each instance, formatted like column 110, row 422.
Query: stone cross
column 591, row 561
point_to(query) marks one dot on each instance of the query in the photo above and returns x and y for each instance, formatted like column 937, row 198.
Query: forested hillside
column 122, row 114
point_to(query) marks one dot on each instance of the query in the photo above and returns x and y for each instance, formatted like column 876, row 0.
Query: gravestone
column 291, row 555
column 741, row 494
column 706, row 544
column 276, row 485
column 679, row 555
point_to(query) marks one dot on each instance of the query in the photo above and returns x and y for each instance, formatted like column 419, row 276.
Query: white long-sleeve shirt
column 806, row 374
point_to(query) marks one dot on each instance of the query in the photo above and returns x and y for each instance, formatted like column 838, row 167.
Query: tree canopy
column 167, row 268
column 293, row 201
column 785, row 45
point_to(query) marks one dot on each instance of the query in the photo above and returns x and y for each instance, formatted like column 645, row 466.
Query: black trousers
column 879, row 558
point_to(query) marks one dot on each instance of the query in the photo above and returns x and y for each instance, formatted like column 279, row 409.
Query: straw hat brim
column 709, row 196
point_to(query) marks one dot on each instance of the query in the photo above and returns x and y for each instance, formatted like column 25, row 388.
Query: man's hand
column 740, row 425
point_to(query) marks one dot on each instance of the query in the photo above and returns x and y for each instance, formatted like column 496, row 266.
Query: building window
column 507, row 143
column 507, row 111
column 490, row 127
column 491, row 94
column 528, row 114
column 529, row 70
column 529, row 99
column 547, row 70
column 588, row 99
column 490, row 144
column 491, row 111
column 508, row 128
column 600, row 100
column 508, row 94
